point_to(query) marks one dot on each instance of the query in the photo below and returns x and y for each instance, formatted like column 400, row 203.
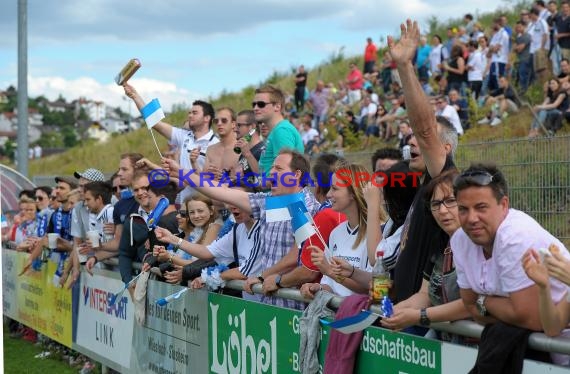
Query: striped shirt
column 278, row 239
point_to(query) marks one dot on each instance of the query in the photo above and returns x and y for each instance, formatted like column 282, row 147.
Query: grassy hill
column 105, row 156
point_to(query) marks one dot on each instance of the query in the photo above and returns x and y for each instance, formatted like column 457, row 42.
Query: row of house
column 103, row 119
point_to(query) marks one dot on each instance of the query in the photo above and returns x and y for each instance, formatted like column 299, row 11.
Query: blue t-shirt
column 284, row 135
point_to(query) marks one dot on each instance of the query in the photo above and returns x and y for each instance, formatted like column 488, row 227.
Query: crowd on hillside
column 453, row 246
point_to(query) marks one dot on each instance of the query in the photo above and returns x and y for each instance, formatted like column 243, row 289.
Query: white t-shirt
column 537, row 30
column 98, row 221
column 390, row 245
column 248, row 248
column 435, row 59
column 307, row 136
column 501, row 38
column 341, row 241
column 249, row 245
column 478, row 62
column 503, row 272
column 450, row 113
column 186, row 142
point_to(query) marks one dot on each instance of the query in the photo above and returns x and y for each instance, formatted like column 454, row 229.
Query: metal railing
column 537, row 341
column 537, row 171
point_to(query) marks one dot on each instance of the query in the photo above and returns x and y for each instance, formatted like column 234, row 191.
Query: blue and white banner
column 152, row 113
column 303, row 229
column 354, row 323
column 276, row 206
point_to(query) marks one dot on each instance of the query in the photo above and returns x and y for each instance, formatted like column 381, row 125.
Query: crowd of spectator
column 453, row 245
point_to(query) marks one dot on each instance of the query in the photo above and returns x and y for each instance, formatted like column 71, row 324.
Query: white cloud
column 111, row 94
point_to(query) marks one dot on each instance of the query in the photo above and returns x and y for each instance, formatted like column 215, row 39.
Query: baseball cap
column 72, row 182
column 91, row 174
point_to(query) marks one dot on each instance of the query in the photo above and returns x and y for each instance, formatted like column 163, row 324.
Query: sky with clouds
column 193, row 49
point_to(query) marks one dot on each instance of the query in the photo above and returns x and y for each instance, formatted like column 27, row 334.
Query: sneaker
column 484, row 121
column 43, row 354
column 496, row 121
column 87, row 368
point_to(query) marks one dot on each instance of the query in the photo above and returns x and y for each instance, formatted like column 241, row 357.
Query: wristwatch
column 424, row 320
column 481, row 305
column 278, row 280
column 260, row 277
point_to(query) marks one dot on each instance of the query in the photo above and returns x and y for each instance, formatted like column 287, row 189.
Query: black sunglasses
column 118, row 188
column 222, row 120
column 39, row 198
column 244, row 124
column 183, row 213
column 260, row 104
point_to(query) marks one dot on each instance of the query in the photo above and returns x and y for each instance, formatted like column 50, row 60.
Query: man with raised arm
column 287, row 175
column 432, row 147
column 198, row 135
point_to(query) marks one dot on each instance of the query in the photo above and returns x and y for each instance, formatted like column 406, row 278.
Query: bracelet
column 352, row 272
column 178, row 243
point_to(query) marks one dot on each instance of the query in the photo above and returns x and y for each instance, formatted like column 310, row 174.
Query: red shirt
column 325, row 220
column 370, row 52
column 355, row 81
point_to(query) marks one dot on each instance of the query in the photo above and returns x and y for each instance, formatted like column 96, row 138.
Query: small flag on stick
column 169, row 298
column 302, row 227
column 354, row 323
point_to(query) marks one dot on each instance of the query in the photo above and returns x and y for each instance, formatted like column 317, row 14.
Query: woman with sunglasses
column 43, row 216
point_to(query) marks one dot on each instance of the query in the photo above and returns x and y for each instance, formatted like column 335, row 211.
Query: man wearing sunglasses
column 220, row 157
column 431, row 149
column 488, row 248
column 250, row 151
column 267, row 106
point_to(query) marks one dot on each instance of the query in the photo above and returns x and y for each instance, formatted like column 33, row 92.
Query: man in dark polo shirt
column 432, row 147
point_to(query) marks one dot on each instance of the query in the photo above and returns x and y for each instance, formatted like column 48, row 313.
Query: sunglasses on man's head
column 477, row 177
column 260, row 104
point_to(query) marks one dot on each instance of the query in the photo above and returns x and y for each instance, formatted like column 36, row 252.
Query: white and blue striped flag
column 276, row 206
column 152, row 113
column 303, row 229
column 354, row 323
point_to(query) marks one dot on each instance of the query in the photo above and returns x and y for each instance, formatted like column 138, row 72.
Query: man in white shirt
column 488, row 248
column 445, row 110
column 539, row 45
column 199, row 133
column 499, row 48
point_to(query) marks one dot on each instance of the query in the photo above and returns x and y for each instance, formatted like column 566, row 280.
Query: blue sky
column 194, row 49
